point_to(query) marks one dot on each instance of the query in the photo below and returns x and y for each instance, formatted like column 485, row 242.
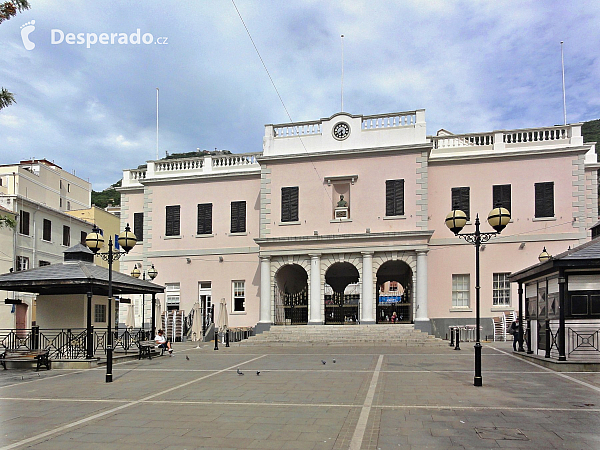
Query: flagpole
column 157, row 123
column 562, row 61
column 342, row 73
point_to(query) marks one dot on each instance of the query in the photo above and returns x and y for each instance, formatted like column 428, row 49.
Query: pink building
column 307, row 230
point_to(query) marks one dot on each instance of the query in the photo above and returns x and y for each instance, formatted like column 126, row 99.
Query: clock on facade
column 341, row 131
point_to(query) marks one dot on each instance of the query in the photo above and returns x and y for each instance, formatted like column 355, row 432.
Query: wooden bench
column 40, row 356
column 146, row 349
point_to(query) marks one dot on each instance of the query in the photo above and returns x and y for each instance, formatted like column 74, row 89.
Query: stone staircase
column 384, row 334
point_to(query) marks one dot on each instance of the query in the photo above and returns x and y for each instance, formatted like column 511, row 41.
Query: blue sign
column 388, row 299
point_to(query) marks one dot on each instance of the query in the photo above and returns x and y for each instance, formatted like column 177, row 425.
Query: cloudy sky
column 473, row 65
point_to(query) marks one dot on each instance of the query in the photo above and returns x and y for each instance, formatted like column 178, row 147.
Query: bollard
column 216, row 339
column 227, row 338
column 451, row 337
column 457, row 339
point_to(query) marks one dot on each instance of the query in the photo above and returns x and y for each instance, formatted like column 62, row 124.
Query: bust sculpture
column 342, row 203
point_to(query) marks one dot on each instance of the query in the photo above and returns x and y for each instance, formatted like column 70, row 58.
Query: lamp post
column 152, row 273
column 498, row 218
column 95, row 241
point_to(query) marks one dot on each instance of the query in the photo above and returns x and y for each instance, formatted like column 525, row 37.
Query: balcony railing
column 507, row 139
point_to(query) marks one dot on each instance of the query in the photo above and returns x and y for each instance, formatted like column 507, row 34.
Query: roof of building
column 586, row 255
column 75, row 277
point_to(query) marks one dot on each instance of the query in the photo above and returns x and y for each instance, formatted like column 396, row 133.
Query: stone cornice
column 416, row 148
column 346, row 237
column 517, row 153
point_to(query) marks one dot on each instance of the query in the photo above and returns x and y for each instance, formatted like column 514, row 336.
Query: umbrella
column 196, row 322
column 158, row 319
column 223, row 322
column 130, row 319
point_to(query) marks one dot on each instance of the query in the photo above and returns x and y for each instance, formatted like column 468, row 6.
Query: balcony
column 192, row 167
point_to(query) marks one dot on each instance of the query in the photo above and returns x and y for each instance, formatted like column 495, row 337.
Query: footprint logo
column 26, row 30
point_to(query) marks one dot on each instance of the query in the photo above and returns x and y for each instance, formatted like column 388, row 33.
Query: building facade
column 39, row 193
column 309, row 229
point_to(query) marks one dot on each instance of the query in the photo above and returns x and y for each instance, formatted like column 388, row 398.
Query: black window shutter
column 24, row 223
column 238, row 217
column 47, row 230
column 460, row 200
column 501, row 196
column 289, row 204
column 544, row 199
column 394, row 197
column 172, row 225
column 138, row 226
column 205, row 218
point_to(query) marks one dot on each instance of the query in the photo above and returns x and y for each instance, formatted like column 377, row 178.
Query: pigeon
column 187, row 357
column 324, row 362
column 239, row 372
column 334, row 360
column 257, row 372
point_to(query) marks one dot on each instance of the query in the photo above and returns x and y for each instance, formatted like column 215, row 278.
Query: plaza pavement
column 371, row 398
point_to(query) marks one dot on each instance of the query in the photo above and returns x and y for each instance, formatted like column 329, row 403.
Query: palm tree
column 9, row 9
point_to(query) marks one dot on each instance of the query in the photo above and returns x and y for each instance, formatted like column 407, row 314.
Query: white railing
column 389, row 120
column 137, row 174
column 541, row 134
column 234, row 160
column 463, row 140
column 171, row 165
column 504, row 139
column 297, row 129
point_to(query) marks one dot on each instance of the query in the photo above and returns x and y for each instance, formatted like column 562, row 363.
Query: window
column 394, row 197
column 289, row 204
column 60, row 203
column 238, row 217
column 83, row 237
column 239, row 296
column 47, row 232
column 393, row 286
column 24, row 222
column 501, row 196
column 68, row 206
column 22, row 263
column 173, row 216
column 66, row 236
column 99, row 313
column 68, row 187
column 172, row 294
column 460, row 200
column 138, row 226
column 501, row 291
column 544, row 199
column 43, row 263
column 204, row 218
column 460, row 291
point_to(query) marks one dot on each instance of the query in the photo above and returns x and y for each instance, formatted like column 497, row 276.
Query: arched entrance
column 291, row 295
column 394, row 293
column 342, row 294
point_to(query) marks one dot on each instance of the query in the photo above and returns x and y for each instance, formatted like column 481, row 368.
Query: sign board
column 389, row 299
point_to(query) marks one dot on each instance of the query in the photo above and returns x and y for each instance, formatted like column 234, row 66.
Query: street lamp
column 498, row 218
column 95, row 241
column 152, row 273
column 544, row 256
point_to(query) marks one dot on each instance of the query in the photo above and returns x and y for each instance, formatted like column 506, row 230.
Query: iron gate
column 342, row 308
column 291, row 309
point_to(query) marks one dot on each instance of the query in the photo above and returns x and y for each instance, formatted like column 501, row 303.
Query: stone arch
column 276, row 264
column 408, row 257
column 342, row 307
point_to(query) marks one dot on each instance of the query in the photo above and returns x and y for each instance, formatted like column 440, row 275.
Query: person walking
column 514, row 330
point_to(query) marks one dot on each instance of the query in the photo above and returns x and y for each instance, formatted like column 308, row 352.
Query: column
column 562, row 281
column 367, row 297
column 421, row 319
column 89, row 328
column 315, row 290
column 265, row 290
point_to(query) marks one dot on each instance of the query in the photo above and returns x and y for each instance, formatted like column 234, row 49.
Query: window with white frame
column 501, row 296
column 239, row 296
column 99, row 313
column 172, row 292
column 460, row 290
column 22, row 263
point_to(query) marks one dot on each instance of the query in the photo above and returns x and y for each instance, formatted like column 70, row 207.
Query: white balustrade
column 171, row 165
column 543, row 134
column 297, row 129
column 463, row 140
column 235, row 160
column 389, row 121
column 137, row 174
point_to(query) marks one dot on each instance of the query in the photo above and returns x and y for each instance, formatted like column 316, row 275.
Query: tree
column 9, row 9
column 7, row 221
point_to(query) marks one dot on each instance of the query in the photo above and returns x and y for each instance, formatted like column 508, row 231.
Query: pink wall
column 366, row 199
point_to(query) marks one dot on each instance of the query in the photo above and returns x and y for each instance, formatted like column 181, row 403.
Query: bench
column 40, row 356
column 146, row 349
